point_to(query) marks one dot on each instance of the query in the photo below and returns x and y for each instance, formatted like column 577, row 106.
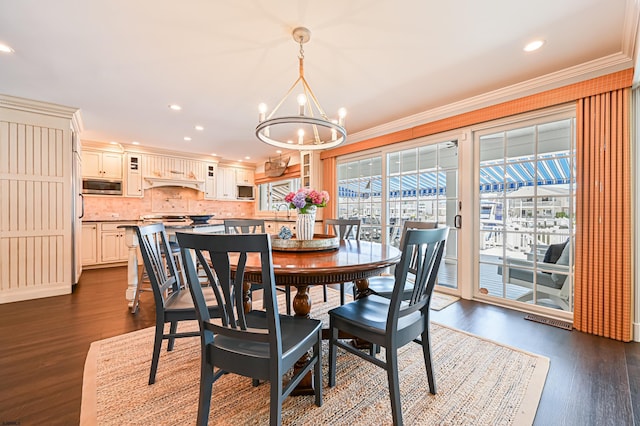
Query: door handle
column 457, row 221
column 82, row 206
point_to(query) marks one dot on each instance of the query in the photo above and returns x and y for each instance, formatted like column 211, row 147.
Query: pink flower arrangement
column 305, row 197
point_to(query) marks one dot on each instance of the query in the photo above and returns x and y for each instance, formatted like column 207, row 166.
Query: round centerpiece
column 318, row 243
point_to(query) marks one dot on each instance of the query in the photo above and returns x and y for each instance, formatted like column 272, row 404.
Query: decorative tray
column 320, row 242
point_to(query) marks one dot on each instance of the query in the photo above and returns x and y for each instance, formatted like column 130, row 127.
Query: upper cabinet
column 226, row 183
column 134, row 175
column 210, row 182
column 244, row 177
column 101, row 164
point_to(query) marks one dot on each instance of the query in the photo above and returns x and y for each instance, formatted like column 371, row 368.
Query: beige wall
column 163, row 201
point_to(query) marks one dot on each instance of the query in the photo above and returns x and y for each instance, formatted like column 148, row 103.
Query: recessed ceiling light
column 187, row 138
column 5, row 48
column 247, row 158
column 175, row 107
column 278, row 152
column 135, row 143
column 239, row 161
column 199, row 128
column 113, row 143
column 290, row 142
column 534, row 45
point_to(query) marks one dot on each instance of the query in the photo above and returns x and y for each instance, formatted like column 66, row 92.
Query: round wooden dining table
column 353, row 261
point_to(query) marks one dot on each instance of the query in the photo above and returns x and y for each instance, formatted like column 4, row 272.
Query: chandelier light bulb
column 262, row 109
column 342, row 113
column 300, row 136
column 302, row 100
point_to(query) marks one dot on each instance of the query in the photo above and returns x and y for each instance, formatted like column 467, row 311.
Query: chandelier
column 310, row 129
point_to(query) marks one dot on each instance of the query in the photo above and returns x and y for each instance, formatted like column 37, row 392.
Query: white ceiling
column 123, row 62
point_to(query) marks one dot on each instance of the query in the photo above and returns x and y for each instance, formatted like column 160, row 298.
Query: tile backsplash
column 164, row 200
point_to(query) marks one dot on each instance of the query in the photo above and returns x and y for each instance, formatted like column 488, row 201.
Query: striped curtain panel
column 603, row 293
column 330, row 184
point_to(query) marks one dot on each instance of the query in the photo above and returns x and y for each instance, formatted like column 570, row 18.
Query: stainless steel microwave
column 101, row 186
column 245, row 192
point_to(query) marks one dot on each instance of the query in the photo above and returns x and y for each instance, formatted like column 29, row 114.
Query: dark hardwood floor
column 44, row 342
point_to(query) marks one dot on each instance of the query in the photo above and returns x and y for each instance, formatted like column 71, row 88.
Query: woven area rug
column 440, row 300
column 480, row 382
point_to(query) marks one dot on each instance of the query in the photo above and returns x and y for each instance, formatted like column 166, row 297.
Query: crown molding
column 45, row 108
column 592, row 69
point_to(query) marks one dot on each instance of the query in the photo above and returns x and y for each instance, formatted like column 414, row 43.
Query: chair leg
column 428, row 362
column 317, row 353
column 333, row 350
column 287, row 298
column 172, row 330
column 324, row 292
column 394, row 385
column 155, row 357
column 275, row 402
column 342, row 295
column 204, row 398
column 136, row 298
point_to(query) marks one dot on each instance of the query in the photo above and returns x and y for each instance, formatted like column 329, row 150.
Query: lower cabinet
column 89, row 244
column 103, row 243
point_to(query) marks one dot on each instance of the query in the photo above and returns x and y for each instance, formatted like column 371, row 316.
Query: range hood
column 156, row 182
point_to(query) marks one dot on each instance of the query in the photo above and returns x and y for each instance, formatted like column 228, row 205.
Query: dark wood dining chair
column 172, row 302
column 244, row 226
column 392, row 323
column 262, row 345
column 382, row 285
column 254, row 226
column 344, row 229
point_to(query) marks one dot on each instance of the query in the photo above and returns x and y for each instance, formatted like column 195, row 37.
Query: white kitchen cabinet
column 210, row 182
column 167, row 167
column 113, row 245
column 226, row 183
column 89, row 244
column 244, row 177
column 39, row 199
column 133, row 184
column 101, row 164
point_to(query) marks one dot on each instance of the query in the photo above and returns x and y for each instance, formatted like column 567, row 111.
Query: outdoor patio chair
column 551, row 283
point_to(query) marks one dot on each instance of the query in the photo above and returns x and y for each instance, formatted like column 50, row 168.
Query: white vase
column 305, row 224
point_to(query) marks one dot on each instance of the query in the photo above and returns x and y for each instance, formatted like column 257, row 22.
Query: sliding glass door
column 420, row 184
column 526, row 207
column 360, row 195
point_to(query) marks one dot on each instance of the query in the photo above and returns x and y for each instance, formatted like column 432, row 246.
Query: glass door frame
column 515, row 122
column 463, row 238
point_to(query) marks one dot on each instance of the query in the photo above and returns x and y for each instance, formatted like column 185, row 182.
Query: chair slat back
column 218, row 254
column 344, row 229
column 422, row 253
column 244, row 226
column 162, row 271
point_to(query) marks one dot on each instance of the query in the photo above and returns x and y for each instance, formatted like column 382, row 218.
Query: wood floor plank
column 44, row 342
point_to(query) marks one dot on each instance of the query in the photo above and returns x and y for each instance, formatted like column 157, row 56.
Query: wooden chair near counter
column 344, row 229
column 172, row 302
column 144, row 283
column 253, row 226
